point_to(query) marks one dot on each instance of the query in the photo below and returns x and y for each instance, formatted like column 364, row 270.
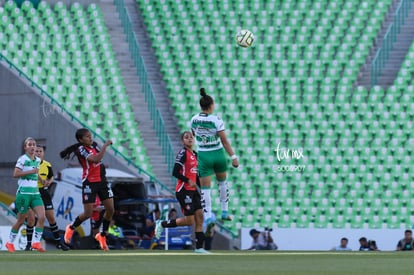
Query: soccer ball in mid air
column 244, row 38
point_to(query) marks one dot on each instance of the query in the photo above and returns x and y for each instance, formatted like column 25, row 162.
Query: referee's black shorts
column 46, row 198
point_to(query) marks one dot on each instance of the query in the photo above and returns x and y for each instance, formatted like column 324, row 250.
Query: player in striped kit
column 210, row 136
column 44, row 181
column 185, row 170
column 28, row 196
column 94, row 183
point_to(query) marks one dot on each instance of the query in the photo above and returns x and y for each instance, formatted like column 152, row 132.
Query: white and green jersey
column 28, row 184
column 206, row 128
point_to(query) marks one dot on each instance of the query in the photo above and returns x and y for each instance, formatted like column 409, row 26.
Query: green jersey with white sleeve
column 206, row 128
column 28, row 184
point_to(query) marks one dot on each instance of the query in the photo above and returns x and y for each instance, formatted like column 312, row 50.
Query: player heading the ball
column 210, row 138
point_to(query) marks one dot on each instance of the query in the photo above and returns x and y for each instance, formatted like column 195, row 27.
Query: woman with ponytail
column 187, row 194
column 210, row 138
column 27, row 195
column 93, row 183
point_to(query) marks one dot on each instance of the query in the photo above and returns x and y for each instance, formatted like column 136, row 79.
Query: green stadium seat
column 317, row 60
column 43, row 34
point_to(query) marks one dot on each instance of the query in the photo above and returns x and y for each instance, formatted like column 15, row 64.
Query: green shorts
column 211, row 162
column 26, row 201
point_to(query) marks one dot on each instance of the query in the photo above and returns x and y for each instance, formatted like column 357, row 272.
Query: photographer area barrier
column 314, row 239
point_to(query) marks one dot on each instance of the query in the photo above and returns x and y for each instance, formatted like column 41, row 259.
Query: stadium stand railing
column 68, row 53
column 149, row 96
column 34, row 74
column 294, row 86
column 158, row 122
column 382, row 54
column 7, row 216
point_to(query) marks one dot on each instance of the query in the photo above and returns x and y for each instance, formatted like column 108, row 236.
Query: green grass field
column 220, row 262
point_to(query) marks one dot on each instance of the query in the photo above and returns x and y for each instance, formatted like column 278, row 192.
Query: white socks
column 224, row 199
column 206, row 202
column 224, row 195
column 12, row 236
column 37, row 236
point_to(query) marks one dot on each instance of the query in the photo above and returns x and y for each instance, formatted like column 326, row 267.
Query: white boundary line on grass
column 240, row 253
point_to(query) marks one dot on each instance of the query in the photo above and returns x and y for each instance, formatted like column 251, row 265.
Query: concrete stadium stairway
column 154, row 75
column 397, row 55
column 134, row 91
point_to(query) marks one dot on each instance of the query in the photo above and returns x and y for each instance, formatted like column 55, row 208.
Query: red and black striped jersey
column 185, row 169
column 93, row 172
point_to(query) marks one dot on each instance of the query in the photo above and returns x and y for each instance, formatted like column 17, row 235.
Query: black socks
column 199, row 239
column 29, row 235
column 76, row 223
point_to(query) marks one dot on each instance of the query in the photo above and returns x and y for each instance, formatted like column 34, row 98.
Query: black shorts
column 46, row 198
column 90, row 190
column 190, row 201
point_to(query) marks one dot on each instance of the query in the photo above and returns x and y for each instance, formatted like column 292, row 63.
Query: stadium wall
column 326, row 239
column 24, row 112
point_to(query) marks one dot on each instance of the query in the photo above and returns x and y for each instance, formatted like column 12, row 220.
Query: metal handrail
column 62, row 109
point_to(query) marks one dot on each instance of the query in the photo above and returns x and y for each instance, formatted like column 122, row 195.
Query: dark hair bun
column 203, row 92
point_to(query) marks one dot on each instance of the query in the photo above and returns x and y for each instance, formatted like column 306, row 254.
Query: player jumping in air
column 211, row 138
column 93, row 183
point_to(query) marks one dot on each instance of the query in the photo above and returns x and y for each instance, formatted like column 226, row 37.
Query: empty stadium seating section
column 66, row 51
column 295, row 87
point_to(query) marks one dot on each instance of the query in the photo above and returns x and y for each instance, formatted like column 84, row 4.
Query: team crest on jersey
column 87, row 189
column 187, row 199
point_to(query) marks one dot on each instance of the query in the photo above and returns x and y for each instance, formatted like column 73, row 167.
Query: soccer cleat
column 28, row 247
column 62, row 246
column 201, row 251
column 68, row 234
column 209, row 229
column 158, row 229
column 10, row 247
column 38, row 246
column 102, row 241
